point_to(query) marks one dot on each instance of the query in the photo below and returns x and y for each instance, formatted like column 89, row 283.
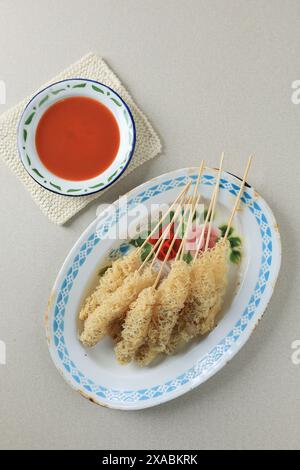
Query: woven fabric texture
column 59, row 208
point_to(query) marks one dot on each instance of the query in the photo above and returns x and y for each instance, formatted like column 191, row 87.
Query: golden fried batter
column 145, row 321
column 110, row 281
column 136, row 325
column 115, row 306
column 208, row 285
column 145, row 355
column 114, row 330
column 219, row 266
column 171, row 296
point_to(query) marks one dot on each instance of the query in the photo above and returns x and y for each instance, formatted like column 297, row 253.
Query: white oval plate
column 35, row 109
column 95, row 372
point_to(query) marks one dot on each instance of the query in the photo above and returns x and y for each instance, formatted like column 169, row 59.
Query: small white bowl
column 46, row 98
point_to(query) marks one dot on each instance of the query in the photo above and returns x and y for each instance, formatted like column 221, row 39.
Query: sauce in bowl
column 77, row 138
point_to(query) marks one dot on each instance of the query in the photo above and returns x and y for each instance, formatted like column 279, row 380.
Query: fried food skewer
column 120, row 269
column 105, row 318
column 141, row 312
column 214, row 202
column 179, row 228
column 218, row 267
column 219, row 263
column 195, row 202
column 203, row 295
column 115, row 306
column 136, row 325
column 147, row 315
column 138, row 317
column 178, row 199
column 171, row 297
column 157, row 247
column 110, row 281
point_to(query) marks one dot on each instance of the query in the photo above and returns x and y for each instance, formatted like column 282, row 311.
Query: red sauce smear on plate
column 77, row 138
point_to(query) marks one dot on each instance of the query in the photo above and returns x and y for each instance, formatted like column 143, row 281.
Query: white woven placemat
column 58, row 208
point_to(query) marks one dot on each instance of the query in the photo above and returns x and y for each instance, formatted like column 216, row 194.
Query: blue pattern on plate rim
column 209, row 360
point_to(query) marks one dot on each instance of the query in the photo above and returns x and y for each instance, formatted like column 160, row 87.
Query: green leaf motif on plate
column 116, row 102
column 235, row 241
column 137, row 242
column 187, row 257
column 97, row 185
column 126, row 115
column 37, row 172
column 44, row 100
column 146, row 251
column 223, row 229
column 112, row 176
column 80, row 85
column 235, row 256
column 209, row 217
column 97, row 89
column 28, row 160
column 55, row 92
column 55, row 186
column 235, row 244
column 24, row 135
column 73, row 190
column 29, row 119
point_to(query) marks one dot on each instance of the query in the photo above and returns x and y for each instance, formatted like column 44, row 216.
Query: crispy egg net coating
column 110, row 281
column 171, row 296
column 144, row 321
column 114, row 329
column 115, row 306
column 219, row 266
column 145, row 355
column 208, row 286
column 136, row 325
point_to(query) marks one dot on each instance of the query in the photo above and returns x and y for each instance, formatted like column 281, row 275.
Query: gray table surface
column 211, row 75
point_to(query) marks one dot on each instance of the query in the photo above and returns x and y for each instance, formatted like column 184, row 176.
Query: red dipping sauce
column 77, row 138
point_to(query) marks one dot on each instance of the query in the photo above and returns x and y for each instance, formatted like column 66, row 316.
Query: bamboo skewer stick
column 192, row 203
column 195, row 192
column 215, row 202
column 172, row 243
column 178, row 198
column 204, row 227
column 198, row 178
column 191, row 216
column 195, row 201
column 235, row 207
column 165, row 232
column 161, row 239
